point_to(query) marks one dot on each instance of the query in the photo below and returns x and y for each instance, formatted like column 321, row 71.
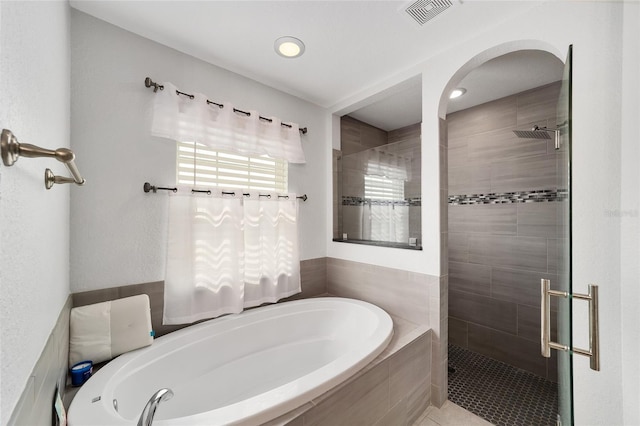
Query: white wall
column 629, row 213
column 118, row 232
column 34, row 222
column 595, row 29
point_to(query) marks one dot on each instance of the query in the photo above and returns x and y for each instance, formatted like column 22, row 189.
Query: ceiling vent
column 423, row 11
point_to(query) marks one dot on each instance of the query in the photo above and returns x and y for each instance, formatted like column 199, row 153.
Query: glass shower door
column 563, row 245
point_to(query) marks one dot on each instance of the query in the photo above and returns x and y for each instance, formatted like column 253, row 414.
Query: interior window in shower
column 376, row 172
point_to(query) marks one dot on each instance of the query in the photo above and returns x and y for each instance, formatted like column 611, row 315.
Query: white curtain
column 386, row 222
column 204, row 258
column 227, row 253
column 181, row 118
column 271, row 260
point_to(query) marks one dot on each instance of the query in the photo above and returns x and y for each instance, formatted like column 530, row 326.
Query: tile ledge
column 404, row 333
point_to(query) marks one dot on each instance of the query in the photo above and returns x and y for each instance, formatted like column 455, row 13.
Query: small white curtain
column 386, row 222
column 204, row 258
column 227, row 253
column 271, row 259
column 182, row 118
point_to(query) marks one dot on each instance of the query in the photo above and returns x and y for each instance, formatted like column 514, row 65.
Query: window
column 201, row 166
column 382, row 188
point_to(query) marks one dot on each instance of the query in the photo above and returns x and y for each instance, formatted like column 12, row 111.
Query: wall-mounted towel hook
column 50, row 179
column 11, row 150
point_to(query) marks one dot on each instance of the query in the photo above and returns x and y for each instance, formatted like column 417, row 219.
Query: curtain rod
column 148, row 188
column 150, row 83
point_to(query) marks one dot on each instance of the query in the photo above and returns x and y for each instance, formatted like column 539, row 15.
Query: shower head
column 535, row 133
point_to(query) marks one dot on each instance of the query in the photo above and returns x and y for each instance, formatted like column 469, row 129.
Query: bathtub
column 243, row 369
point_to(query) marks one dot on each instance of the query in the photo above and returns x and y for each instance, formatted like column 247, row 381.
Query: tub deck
column 394, row 388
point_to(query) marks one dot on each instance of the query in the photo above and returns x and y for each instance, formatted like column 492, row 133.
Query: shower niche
column 377, row 171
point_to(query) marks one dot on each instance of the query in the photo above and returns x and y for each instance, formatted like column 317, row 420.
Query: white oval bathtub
column 240, row 369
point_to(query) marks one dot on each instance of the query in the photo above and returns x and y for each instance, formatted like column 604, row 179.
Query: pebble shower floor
column 499, row 393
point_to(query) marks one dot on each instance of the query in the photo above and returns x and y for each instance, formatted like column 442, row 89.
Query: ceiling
column 350, row 46
column 503, row 76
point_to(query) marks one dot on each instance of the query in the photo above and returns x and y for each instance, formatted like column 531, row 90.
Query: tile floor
column 449, row 414
column 500, row 393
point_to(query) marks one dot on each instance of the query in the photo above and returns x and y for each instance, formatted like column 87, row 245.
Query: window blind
column 382, row 188
column 201, row 166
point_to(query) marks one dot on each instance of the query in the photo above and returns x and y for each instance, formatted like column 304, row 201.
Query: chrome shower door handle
column 594, row 327
column 545, row 318
column 545, row 323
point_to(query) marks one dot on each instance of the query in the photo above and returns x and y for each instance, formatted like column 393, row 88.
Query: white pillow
column 102, row 331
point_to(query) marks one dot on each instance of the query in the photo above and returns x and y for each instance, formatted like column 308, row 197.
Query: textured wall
column 499, row 252
column 118, row 237
column 34, row 222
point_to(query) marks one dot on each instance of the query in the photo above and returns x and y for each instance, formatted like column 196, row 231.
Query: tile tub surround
column 502, row 222
column 386, row 392
column 418, row 298
column 414, row 302
column 35, row 404
column 313, row 276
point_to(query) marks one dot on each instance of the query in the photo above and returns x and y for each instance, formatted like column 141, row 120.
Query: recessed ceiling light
column 456, row 93
column 289, row 47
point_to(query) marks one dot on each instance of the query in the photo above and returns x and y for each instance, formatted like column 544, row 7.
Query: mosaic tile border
column 360, row 201
column 538, row 196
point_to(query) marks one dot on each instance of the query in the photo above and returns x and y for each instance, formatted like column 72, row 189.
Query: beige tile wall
column 439, row 307
column 404, row 133
column 35, row 406
column 401, row 293
column 497, row 253
column 356, row 136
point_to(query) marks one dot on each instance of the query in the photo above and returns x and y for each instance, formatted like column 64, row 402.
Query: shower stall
column 505, row 210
